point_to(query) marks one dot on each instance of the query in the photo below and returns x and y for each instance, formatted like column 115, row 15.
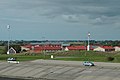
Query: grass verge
column 68, row 56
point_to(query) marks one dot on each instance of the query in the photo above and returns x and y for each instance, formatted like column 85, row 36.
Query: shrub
column 110, row 58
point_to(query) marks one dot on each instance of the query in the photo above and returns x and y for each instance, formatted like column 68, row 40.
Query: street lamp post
column 8, row 28
column 88, row 47
column 44, row 46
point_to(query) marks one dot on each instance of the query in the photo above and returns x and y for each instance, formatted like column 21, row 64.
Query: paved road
column 60, row 70
column 6, row 78
column 77, row 63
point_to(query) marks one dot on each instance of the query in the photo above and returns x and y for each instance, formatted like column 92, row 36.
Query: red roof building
column 77, row 48
column 104, row 48
column 46, row 47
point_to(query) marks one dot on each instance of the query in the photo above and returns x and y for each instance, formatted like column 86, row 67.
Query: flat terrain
column 60, row 70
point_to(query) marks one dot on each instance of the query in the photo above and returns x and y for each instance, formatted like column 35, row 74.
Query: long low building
column 104, row 48
column 68, row 48
column 40, row 48
column 37, row 48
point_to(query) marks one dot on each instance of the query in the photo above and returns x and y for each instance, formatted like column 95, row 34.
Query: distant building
column 24, row 48
column 11, row 51
column 37, row 48
column 68, row 48
column 80, row 48
column 117, row 48
column 104, row 48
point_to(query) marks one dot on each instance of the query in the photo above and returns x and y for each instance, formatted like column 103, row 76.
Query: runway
column 60, row 70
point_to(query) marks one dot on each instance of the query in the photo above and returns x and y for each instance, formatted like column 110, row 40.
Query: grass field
column 90, row 56
column 69, row 56
column 21, row 57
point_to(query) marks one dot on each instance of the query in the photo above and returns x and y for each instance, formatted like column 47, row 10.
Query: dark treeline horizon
column 81, row 42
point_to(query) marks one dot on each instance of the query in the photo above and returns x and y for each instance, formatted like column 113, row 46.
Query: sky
column 59, row 19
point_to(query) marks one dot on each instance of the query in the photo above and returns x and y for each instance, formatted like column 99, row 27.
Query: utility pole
column 44, row 43
column 8, row 28
column 88, row 47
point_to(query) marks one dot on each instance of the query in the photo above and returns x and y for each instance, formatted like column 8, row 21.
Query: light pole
column 44, row 46
column 88, row 47
column 8, row 28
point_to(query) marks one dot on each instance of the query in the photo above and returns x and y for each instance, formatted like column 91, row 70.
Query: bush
column 110, row 58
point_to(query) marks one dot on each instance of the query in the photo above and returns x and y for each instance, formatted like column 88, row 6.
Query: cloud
column 73, row 11
column 55, row 8
column 95, row 12
column 106, row 20
column 85, row 14
column 71, row 18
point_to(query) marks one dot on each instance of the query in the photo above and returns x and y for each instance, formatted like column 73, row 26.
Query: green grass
column 89, row 56
column 23, row 57
column 68, row 56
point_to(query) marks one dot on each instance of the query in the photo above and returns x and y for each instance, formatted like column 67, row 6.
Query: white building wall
column 117, row 48
column 24, row 48
column 66, row 49
column 99, row 49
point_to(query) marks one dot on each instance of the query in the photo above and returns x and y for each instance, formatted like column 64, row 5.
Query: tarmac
column 60, row 70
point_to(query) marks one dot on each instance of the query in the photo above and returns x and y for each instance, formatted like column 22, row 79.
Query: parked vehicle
column 88, row 63
column 12, row 60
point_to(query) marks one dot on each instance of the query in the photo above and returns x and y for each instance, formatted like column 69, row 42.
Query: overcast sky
column 60, row 19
